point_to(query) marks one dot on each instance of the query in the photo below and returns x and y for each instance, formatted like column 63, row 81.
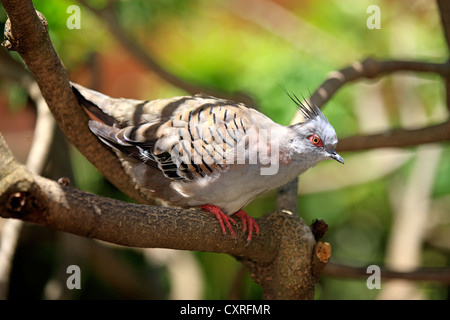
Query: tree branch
column 370, row 69
column 42, row 201
column 26, row 32
column 287, row 197
column 396, row 138
column 444, row 12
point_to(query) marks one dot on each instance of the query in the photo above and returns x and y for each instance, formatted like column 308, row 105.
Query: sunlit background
column 388, row 207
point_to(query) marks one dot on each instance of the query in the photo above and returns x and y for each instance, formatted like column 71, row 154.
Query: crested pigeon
column 204, row 151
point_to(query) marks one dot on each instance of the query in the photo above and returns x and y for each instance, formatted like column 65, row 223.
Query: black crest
column 308, row 110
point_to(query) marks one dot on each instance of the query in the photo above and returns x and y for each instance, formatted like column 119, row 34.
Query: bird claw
column 247, row 220
column 225, row 220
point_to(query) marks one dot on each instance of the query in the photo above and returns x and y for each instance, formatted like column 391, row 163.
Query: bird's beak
column 334, row 155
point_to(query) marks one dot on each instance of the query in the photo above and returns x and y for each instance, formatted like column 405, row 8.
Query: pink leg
column 223, row 219
column 247, row 220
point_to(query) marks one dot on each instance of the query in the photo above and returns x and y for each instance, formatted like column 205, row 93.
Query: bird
column 208, row 152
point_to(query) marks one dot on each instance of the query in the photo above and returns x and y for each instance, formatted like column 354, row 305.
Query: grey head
column 313, row 138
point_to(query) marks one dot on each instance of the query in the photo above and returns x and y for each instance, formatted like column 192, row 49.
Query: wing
column 185, row 137
column 201, row 140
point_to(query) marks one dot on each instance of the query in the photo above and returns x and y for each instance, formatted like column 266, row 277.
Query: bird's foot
column 225, row 220
column 247, row 220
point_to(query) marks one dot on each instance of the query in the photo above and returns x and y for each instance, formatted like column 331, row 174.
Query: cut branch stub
column 17, row 201
column 13, row 41
column 18, row 191
column 10, row 43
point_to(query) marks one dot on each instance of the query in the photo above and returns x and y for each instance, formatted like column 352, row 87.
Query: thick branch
column 35, row 199
column 26, row 32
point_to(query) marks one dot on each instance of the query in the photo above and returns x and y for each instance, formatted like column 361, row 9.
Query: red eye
column 315, row 140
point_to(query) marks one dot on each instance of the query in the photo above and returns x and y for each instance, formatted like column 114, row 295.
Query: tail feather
column 84, row 97
column 108, row 135
column 114, row 138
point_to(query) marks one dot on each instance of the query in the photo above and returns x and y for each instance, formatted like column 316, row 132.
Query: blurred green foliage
column 209, row 44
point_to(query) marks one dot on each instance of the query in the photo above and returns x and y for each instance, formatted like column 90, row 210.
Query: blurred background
column 388, row 207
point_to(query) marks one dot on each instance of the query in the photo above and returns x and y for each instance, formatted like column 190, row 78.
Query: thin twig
column 370, row 69
column 444, row 12
column 287, row 197
column 9, row 237
column 398, row 138
column 411, row 206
